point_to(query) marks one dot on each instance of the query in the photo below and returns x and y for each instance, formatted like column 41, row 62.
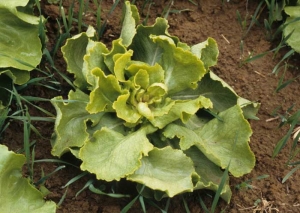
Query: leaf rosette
column 151, row 111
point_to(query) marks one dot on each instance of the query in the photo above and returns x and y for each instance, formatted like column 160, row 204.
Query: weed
column 293, row 120
column 218, row 193
column 253, row 19
column 3, row 115
column 275, row 9
column 248, row 183
column 289, row 174
column 281, row 83
column 130, row 204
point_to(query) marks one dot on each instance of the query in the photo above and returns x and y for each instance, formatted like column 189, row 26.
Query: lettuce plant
column 16, row 193
column 20, row 47
column 149, row 110
column 292, row 28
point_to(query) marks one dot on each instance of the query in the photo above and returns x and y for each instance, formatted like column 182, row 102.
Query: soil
column 253, row 81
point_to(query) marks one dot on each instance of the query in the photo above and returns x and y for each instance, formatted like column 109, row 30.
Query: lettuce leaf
column 16, row 193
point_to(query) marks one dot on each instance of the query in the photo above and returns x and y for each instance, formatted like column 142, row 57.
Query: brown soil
column 253, row 81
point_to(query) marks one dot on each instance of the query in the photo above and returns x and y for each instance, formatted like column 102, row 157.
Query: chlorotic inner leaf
column 105, row 94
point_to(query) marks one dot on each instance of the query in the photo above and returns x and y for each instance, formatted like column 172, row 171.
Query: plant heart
column 151, row 111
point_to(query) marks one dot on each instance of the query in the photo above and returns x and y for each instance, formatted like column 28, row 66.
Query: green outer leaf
column 74, row 51
column 70, row 123
column 13, row 3
column 210, row 174
column 207, row 51
column 16, row 193
column 187, row 136
column 227, row 140
column 294, row 39
column 112, row 156
column 182, row 68
column 166, row 170
column 130, row 20
column 103, row 96
column 16, row 7
column 250, row 109
column 292, row 11
column 110, row 121
column 144, row 49
column 18, row 76
column 19, row 42
column 182, row 109
column 221, row 95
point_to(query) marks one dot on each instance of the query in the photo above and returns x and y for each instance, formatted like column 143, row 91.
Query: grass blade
column 204, row 207
column 26, row 130
column 254, row 18
column 187, row 210
column 220, row 188
column 130, row 204
column 33, row 118
column 81, row 6
column 43, row 179
column 150, row 202
column 141, row 199
column 84, row 187
column 98, row 191
column 286, row 177
column 55, row 161
column 279, row 146
column 98, row 20
column 74, row 179
column 62, row 198
column 281, row 85
column 288, row 54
